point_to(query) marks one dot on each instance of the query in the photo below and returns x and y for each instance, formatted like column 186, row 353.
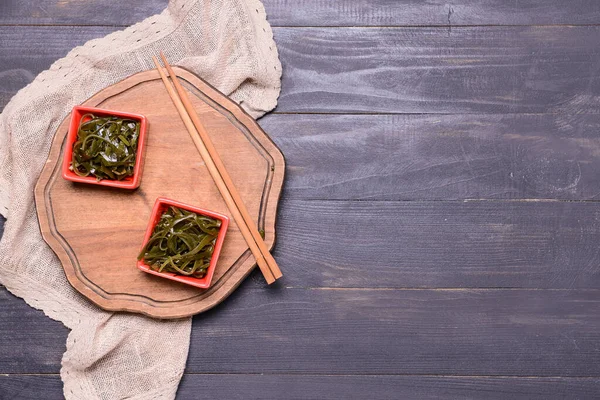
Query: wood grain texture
column 365, row 331
column 439, row 244
column 41, row 340
column 78, row 12
column 320, row 13
column 27, row 51
column 442, row 157
column 298, row 387
column 389, row 70
column 400, row 244
column 432, row 12
column 458, row 332
column 439, row 157
column 97, row 232
column 31, row 387
column 435, row 70
column 349, row 387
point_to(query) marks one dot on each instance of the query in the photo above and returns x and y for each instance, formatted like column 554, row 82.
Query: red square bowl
column 131, row 182
column 160, row 206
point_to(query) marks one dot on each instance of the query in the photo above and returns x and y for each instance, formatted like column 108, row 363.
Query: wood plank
column 439, row 244
column 431, row 244
column 389, row 70
column 328, row 387
column 301, row 387
column 363, row 331
column 78, row 12
column 432, row 12
column 320, row 13
column 433, row 70
column 439, row 157
column 33, row 342
column 31, row 387
column 27, row 51
column 458, row 332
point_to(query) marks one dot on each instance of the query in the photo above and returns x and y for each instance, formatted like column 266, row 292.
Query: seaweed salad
column 105, row 147
column 182, row 242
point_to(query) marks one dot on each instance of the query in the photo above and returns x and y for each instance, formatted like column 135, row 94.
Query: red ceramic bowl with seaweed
column 130, row 182
column 160, row 206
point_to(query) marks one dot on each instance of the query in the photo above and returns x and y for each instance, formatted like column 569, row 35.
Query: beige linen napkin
column 116, row 355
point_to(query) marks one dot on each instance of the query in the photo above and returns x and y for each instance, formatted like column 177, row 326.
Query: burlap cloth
column 116, row 355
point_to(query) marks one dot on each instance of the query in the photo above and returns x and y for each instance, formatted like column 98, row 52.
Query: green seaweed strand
column 182, row 242
column 105, row 147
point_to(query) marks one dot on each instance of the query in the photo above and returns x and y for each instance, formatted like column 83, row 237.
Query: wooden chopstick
column 264, row 267
column 223, row 171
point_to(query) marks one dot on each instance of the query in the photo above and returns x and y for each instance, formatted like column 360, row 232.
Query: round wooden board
column 97, row 231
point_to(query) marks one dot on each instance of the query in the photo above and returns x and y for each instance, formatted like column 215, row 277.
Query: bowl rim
column 205, row 282
column 69, row 175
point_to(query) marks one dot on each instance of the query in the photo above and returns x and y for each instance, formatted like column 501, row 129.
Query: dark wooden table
column 440, row 226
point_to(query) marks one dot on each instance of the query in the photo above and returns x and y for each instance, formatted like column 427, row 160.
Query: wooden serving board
column 97, row 231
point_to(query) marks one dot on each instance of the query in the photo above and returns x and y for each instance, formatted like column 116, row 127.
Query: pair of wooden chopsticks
column 264, row 259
